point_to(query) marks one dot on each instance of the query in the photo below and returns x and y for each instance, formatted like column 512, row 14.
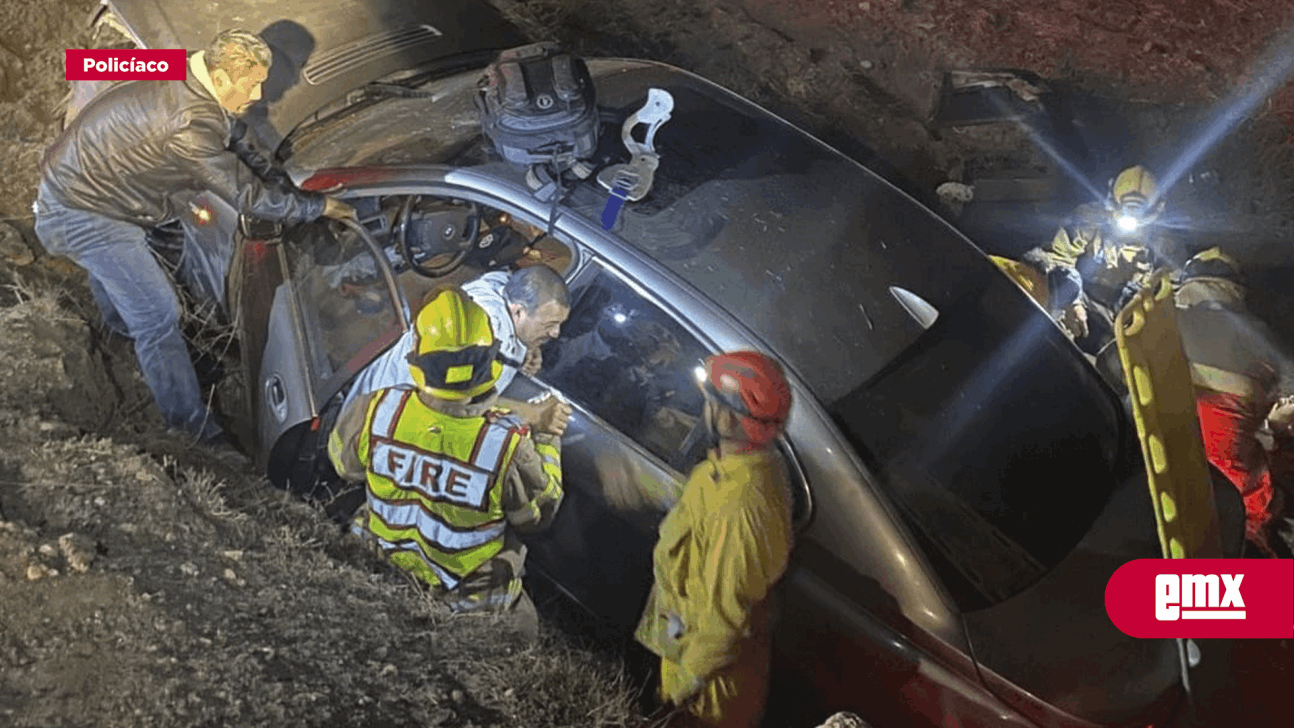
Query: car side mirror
column 255, row 228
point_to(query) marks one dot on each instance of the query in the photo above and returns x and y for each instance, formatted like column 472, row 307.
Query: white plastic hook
column 653, row 113
column 635, row 177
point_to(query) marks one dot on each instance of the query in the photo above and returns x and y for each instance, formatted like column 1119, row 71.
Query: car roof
column 322, row 50
column 819, row 256
column 816, row 254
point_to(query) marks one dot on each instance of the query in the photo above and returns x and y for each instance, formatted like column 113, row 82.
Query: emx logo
column 1197, row 595
column 1201, row 598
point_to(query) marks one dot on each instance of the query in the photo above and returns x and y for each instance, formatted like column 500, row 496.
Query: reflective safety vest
column 435, row 485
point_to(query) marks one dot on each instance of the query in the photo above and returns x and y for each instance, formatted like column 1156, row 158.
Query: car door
column 627, row 368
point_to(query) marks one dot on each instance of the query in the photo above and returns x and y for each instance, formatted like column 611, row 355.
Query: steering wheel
column 462, row 229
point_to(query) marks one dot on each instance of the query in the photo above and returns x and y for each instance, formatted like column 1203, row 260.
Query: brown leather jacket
column 133, row 150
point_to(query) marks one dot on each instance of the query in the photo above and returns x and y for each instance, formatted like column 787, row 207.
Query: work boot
column 523, row 620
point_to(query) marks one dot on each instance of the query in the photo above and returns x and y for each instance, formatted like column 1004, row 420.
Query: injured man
column 527, row 308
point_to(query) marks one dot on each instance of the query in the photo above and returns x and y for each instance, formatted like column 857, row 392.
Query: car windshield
column 801, row 242
column 997, row 443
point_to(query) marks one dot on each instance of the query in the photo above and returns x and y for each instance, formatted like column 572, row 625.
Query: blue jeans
column 136, row 298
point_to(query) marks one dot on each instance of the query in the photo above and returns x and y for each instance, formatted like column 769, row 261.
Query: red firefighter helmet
column 752, row 385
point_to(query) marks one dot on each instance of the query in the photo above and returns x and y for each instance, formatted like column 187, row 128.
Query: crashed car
column 964, row 481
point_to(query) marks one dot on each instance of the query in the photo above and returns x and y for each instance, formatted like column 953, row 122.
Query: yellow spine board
column 1168, row 427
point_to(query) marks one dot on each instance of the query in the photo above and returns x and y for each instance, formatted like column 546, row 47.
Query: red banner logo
column 1203, row 598
column 165, row 64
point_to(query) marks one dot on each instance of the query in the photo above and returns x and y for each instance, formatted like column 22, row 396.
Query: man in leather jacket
column 126, row 163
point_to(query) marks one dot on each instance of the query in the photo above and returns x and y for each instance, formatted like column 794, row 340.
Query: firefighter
column 449, row 478
column 1235, row 368
column 722, row 548
column 1105, row 252
column 1053, row 293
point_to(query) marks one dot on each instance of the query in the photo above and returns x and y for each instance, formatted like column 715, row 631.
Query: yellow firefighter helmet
column 1134, row 199
column 455, row 355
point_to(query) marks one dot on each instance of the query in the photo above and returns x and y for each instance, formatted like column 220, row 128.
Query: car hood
column 324, row 48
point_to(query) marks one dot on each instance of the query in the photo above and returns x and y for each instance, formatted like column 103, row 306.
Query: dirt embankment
column 144, row 582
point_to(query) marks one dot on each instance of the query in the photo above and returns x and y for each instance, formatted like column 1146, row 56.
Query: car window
column 628, row 362
column 344, row 299
column 996, row 442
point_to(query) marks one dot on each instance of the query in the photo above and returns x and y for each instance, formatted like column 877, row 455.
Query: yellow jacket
column 1118, row 260
column 721, row 550
column 443, row 487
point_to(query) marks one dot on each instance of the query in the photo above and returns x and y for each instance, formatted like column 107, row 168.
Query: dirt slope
column 145, row 582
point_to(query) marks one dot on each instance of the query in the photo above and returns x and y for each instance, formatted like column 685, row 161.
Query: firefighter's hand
column 335, row 209
column 1281, row 417
column 534, row 360
column 1074, row 320
column 552, row 416
column 619, row 477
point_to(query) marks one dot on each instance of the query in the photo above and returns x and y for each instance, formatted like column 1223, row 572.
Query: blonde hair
column 237, row 52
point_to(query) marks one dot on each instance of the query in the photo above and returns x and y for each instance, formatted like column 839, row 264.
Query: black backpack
column 538, row 105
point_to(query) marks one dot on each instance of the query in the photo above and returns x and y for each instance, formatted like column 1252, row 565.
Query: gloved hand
column 554, row 417
column 1065, row 286
column 1074, row 320
column 1281, row 417
column 546, row 414
column 1130, row 289
column 335, row 209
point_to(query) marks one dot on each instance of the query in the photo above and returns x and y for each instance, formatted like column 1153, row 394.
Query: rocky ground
column 147, row 582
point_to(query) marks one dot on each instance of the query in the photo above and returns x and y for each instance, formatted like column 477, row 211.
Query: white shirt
column 391, row 368
column 487, row 291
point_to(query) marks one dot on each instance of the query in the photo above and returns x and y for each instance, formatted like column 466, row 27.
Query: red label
column 1203, row 598
column 165, row 64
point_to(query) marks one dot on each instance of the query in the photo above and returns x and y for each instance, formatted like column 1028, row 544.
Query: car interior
column 428, row 241
column 621, row 358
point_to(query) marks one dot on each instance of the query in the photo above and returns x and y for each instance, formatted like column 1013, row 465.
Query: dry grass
column 217, row 599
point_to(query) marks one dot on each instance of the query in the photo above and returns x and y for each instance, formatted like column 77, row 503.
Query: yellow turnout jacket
column 721, row 550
